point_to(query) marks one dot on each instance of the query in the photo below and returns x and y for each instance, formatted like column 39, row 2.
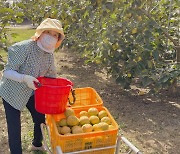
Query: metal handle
column 58, row 150
column 131, row 146
column 43, row 129
column 37, row 84
column 74, row 98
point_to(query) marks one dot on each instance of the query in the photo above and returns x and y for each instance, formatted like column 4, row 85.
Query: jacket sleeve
column 13, row 75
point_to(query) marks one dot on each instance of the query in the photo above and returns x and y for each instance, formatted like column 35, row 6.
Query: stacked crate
column 85, row 99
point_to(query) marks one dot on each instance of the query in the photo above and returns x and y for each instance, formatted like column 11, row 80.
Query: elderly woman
column 28, row 60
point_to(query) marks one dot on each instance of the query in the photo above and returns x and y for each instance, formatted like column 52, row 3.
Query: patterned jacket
column 26, row 58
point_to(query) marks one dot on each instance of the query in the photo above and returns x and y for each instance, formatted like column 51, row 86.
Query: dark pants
column 14, row 125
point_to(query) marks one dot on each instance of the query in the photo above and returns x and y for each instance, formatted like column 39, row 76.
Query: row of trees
column 133, row 39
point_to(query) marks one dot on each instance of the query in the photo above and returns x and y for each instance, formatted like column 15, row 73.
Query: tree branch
column 163, row 30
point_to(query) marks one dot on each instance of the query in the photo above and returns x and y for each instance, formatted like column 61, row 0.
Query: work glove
column 29, row 80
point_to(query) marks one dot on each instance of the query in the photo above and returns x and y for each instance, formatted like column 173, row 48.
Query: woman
column 28, row 60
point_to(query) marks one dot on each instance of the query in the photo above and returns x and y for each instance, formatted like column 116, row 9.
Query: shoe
column 42, row 148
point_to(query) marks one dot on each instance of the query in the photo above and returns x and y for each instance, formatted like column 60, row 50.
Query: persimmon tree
column 132, row 39
column 8, row 15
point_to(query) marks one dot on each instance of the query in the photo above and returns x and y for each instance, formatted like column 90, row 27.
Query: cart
column 105, row 142
column 120, row 139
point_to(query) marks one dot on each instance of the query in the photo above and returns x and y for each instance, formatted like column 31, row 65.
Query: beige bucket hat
column 50, row 24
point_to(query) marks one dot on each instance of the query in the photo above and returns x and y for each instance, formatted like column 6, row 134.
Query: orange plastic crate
column 86, row 97
column 76, row 142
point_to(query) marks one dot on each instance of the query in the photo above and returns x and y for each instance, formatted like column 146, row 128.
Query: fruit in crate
column 69, row 112
column 62, row 122
column 96, row 127
column 102, row 114
column 72, row 121
column 77, row 130
column 94, row 119
column 104, row 126
column 59, row 129
column 93, row 111
column 106, row 120
column 65, row 130
column 87, row 128
column 111, row 127
column 83, row 113
column 74, row 127
column 67, row 134
column 84, row 120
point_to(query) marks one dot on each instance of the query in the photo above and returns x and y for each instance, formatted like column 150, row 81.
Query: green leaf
column 146, row 81
column 155, row 55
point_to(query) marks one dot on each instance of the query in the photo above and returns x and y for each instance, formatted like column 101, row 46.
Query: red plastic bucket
column 52, row 96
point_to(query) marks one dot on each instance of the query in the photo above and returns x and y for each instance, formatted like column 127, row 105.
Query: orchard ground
column 151, row 123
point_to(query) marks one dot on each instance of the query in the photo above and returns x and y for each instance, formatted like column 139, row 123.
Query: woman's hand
column 29, row 80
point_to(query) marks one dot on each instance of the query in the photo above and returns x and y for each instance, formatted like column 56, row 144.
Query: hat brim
column 40, row 31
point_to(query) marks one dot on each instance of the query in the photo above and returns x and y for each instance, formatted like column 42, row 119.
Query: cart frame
column 116, row 146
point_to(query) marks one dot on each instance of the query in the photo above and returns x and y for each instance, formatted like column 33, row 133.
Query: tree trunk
column 178, row 54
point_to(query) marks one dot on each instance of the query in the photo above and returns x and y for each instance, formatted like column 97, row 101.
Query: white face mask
column 47, row 43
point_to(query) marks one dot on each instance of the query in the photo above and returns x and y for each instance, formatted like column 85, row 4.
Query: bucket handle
column 73, row 95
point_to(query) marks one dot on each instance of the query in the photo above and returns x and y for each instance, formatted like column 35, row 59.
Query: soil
column 151, row 123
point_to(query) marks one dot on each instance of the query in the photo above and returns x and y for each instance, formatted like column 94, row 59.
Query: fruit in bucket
column 69, row 112
column 102, row 114
column 93, row 111
column 72, row 120
column 84, row 120
column 94, row 119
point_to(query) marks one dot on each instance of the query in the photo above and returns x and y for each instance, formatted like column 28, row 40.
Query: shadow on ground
column 151, row 123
